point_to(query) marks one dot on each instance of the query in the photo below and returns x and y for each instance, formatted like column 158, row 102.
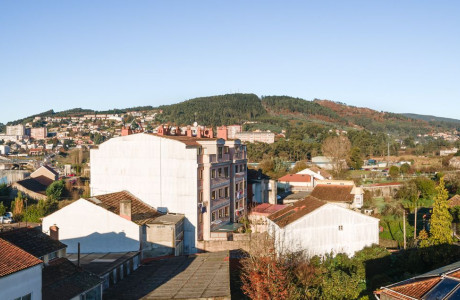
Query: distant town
column 135, row 205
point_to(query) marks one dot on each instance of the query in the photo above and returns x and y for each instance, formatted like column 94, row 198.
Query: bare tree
column 337, row 149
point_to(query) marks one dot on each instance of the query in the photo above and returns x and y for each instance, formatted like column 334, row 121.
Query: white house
column 195, row 174
column 116, row 222
column 316, row 173
column 296, row 182
column 341, row 192
column 318, row 227
column 20, row 273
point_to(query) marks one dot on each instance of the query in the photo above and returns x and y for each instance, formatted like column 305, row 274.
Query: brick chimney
column 125, row 209
column 54, row 232
column 222, row 132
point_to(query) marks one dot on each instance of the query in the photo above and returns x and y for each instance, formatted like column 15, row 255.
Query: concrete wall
column 22, row 283
column 97, row 229
column 318, row 233
column 160, row 171
column 13, row 176
column 160, row 240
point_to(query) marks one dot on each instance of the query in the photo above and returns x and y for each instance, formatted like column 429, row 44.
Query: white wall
column 159, row 171
column 97, row 229
column 22, row 283
column 318, row 232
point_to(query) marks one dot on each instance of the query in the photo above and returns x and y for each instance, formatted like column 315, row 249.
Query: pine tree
column 441, row 219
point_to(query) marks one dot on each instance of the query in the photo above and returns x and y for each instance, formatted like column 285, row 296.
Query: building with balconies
column 181, row 171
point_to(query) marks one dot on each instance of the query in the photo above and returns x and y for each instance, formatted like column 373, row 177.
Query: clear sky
column 398, row 56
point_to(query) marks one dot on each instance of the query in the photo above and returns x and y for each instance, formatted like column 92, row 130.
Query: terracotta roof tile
column 414, row 288
column 141, row 213
column 333, row 193
column 266, row 209
column 13, row 259
column 455, row 274
column 187, row 140
column 454, row 201
column 294, row 212
column 64, row 280
column 295, row 178
column 33, row 185
column 32, row 241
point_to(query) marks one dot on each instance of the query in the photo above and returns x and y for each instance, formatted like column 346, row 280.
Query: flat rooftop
column 200, row 276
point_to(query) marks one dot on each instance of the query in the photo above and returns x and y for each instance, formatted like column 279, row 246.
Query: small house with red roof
column 318, row 227
column 296, row 182
column 259, row 214
column 20, row 273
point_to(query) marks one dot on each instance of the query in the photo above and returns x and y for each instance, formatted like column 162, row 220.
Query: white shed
column 318, row 227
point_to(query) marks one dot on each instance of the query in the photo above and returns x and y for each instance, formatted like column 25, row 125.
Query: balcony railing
column 214, row 158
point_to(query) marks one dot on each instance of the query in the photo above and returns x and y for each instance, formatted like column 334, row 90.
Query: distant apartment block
column 447, row 152
column 257, row 136
column 16, row 130
column 38, row 133
column 181, row 171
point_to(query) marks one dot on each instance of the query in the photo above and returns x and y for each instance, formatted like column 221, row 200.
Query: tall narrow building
column 188, row 172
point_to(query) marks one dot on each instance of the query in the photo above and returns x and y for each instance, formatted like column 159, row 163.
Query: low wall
column 240, row 241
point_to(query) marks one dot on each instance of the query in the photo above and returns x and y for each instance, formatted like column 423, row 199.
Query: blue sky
column 398, row 56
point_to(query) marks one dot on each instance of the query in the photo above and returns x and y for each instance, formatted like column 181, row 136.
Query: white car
column 7, row 218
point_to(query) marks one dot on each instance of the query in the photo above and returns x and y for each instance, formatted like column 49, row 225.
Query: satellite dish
column 195, row 124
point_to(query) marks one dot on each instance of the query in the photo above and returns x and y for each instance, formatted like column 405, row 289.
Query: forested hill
column 432, row 118
column 215, row 110
column 279, row 112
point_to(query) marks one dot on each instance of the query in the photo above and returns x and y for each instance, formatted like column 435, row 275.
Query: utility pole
column 404, row 228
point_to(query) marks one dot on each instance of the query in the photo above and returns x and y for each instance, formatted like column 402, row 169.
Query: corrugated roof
column 32, row 241
column 295, row 178
column 64, row 280
column 294, row 212
column 141, row 213
column 13, row 259
column 333, row 193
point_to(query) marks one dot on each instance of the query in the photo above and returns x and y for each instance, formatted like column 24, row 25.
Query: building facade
column 16, row 130
column 188, row 172
column 39, row 133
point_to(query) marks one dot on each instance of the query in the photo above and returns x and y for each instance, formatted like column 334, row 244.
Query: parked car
column 5, row 220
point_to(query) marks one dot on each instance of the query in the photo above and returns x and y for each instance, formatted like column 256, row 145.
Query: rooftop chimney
column 125, row 209
column 222, row 132
column 54, row 232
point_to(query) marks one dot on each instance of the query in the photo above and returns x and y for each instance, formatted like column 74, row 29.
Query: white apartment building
column 195, row 174
column 16, row 130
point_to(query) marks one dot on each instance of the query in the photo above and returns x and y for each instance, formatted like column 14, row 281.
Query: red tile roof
column 141, row 213
column 266, row 209
column 455, row 274
column 296, row 211
column 33, row 241
column 415, row 288
column 295, row 178
column 333, row 193
column 454, row 201
column 13, row 259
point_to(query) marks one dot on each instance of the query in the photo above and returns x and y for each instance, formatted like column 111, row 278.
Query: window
column 213, row 173
column 226, row 172
column 226, row 211
column 226, row 149
column 213, row 216
column 26, row 297
column 52, row 256
column 219, row 152
column 219, row 171
column 236, row 204
column 201, row 197
column 213, row 195
column 340, row 227
column 236, row 168
column 226, row 192
column 221, row 213
column 200, row 218
column 200, row 174
column 241, row 168
column 200, row 150
column 221, row 192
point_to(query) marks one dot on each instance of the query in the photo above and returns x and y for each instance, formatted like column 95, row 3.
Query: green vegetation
column 441, row 220
column 55, row 190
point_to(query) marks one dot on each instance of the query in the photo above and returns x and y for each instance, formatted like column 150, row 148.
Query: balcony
column 239, row 155
column 219, row 203
column 219, row 181
column 240, row 195
column 214, row 158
